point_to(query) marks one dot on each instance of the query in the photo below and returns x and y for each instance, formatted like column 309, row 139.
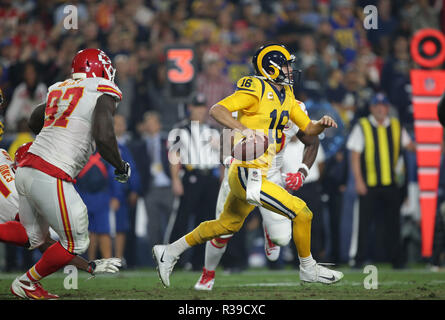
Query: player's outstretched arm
column 105, row 138
column 310, row 151
column 316, row 127
column 37, row 119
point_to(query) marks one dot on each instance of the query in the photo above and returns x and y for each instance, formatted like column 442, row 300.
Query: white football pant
column 44, row 202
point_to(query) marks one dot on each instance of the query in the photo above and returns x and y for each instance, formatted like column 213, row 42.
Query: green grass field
column 254, row 284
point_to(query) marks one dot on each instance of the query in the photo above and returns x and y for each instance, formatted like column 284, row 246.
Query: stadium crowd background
column 343, row 65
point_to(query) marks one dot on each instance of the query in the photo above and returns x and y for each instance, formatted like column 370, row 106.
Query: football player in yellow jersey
column 265, row 103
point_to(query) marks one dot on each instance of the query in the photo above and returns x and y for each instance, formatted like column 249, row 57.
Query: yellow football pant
column 236, row 210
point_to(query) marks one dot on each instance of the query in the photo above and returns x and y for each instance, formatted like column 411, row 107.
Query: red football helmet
column 91, row 63
column 20, row 153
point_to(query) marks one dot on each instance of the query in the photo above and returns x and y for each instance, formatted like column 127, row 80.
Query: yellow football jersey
column 262, row 107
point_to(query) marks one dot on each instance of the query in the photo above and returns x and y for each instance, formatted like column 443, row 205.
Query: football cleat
column 271, row 249
column 33, row 291
column 166, row 263
column 206, row 281
column 318, row 273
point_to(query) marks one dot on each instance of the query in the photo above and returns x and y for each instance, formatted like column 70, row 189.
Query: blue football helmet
column 269, row 61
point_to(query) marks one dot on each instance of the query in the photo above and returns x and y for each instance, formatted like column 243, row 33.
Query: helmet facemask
column 285, row 78
column 107, row 66
column 110, row 71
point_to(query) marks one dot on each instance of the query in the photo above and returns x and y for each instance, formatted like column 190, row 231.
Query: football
column 247, row 150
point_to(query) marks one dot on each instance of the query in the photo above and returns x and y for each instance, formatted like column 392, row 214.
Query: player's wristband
column 91, row 267
column 305, row 167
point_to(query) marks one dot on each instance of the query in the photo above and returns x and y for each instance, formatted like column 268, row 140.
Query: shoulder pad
column 110, row 88
column 251, row 85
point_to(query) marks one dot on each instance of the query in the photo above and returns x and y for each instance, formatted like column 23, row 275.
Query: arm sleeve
column 356, row 140
column 298, row 116
column 406, row 139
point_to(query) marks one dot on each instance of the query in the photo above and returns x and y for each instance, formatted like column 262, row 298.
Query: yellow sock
column 302, row 232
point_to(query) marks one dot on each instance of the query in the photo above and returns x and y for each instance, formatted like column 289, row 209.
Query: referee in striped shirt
column 375, row 144
column 195, row 177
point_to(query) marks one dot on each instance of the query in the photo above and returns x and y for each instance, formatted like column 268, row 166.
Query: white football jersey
column 65, row 140
column 9, row 198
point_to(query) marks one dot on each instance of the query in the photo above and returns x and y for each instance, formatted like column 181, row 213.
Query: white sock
column 213, row 256
column 24, row 277
column 178, row 247
column 307, row 262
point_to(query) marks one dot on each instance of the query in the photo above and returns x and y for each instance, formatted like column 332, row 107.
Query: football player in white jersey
column 76, row 119
column 12, row 231
column 277, row 229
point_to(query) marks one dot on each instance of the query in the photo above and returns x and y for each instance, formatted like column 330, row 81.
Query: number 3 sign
column 181, row 72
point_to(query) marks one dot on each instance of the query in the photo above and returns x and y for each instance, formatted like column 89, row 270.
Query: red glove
column 294, row 181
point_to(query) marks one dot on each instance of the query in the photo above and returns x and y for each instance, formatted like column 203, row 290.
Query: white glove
column 110, row 265
column 123, row 177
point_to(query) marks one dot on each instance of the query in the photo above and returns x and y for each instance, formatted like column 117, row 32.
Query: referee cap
column 379, row 98
column 198, row 100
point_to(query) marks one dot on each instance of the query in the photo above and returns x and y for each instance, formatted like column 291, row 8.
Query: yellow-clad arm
column 299, row 117
column 224, row 117
column 245, row 98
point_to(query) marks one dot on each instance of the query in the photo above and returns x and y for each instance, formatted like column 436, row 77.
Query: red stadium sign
column 428, row 51
column 181, row 72
column 428, row 48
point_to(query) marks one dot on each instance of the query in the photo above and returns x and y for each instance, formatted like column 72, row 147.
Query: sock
column 301, row 231
column 54, row 258
column 13, row 232
column 178, row 247
column 214, row 251
column 307, row 262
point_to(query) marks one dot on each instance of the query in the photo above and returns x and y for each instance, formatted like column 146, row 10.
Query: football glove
column 110, row 265
column 123, row 176
column 294, row 181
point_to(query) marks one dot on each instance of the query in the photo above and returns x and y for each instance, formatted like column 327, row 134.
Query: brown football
column 247, row 150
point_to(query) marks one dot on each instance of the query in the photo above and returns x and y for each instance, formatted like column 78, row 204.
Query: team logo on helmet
column 92, row 63
column 269, row 61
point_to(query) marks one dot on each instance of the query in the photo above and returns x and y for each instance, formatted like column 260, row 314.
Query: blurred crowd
column 343, row 66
